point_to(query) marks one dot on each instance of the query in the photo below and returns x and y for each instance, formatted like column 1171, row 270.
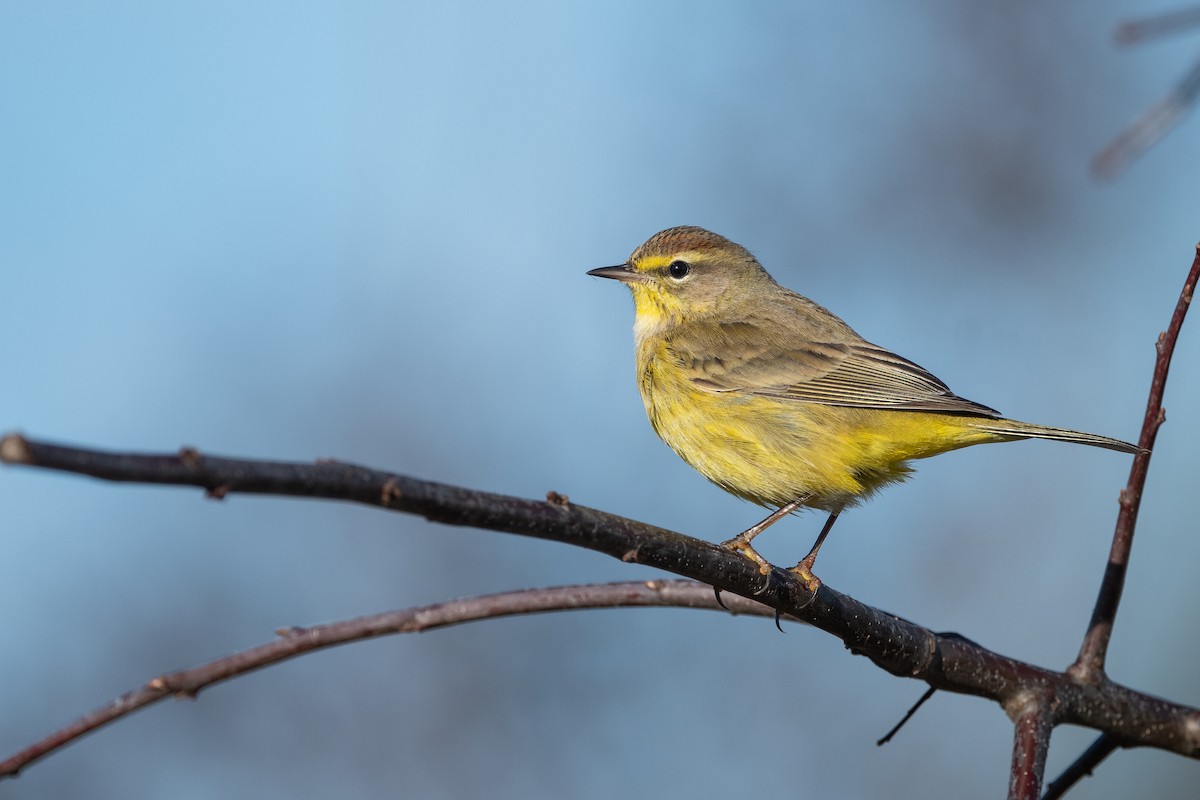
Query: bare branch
column 887, row 737
column 1136, row 31
column 1089, row 665
column 1033, row 721
column 945, row 661
column 293, row 642
column 1150, row 126
column 1101, row 749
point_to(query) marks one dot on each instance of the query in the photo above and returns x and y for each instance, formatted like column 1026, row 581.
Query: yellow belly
column 772, row 451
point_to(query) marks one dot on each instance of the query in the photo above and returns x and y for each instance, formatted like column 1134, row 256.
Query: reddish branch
column 1089, row 665
column 294, row 642
column 1139, row 30
column 1033, row 720
column 1082, row 767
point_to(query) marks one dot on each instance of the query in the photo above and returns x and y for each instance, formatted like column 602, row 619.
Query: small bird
column 775, row 399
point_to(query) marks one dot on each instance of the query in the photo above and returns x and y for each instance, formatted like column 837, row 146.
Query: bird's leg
column 804, row 568
column 741, row 542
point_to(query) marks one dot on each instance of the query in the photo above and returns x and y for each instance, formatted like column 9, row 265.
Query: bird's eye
column 679, row 270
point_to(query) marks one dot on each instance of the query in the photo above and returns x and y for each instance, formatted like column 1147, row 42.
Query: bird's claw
column 803, row 571
column 740, row 544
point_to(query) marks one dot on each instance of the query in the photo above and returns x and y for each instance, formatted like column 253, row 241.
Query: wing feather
column 853, row 373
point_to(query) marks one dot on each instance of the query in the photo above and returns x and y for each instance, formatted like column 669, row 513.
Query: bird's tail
column 1026, row 430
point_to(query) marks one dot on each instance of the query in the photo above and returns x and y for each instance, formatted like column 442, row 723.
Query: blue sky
column 360, row 231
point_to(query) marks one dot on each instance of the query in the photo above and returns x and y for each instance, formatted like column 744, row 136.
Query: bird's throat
column 653, row 314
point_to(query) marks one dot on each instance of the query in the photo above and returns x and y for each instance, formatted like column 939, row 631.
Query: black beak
column 621, row 272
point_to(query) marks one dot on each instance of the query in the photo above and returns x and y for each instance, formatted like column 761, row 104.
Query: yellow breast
column 773, row 451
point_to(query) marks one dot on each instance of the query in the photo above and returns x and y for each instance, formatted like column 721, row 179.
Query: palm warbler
column 775, row 399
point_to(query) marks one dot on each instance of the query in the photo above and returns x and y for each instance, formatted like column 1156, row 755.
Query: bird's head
column 687, row 273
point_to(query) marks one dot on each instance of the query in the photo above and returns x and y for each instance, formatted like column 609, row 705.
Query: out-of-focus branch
column 1157, row 120
column 944, row 661
column 1089, row 665
column 1150, row 126
column 1135, row 31
column 293, row 642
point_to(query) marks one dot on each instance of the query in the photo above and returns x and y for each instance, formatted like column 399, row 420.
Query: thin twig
column 1089, row 665
column 1136, row 31
column 887, row 737
column 1151, row 125
column 1082, row 767
column 293, row 642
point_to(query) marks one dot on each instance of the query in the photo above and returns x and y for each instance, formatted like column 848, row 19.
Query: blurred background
column 360, row 230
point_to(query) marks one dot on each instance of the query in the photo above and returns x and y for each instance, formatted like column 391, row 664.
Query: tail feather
column 1026, row 430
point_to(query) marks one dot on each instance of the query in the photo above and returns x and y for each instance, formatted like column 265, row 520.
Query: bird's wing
column 851, row 373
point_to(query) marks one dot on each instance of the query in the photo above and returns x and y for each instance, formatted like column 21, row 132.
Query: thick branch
column 945, row 661
column 1033, row 721
column 1089, row 665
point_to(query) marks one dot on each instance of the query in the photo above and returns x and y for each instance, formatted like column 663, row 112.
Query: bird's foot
column 803, row 571
column 741, row 544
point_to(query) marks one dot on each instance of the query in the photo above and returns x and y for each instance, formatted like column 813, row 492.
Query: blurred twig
column 1136, row 31
column 1148, row 128
column 1157, row 120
